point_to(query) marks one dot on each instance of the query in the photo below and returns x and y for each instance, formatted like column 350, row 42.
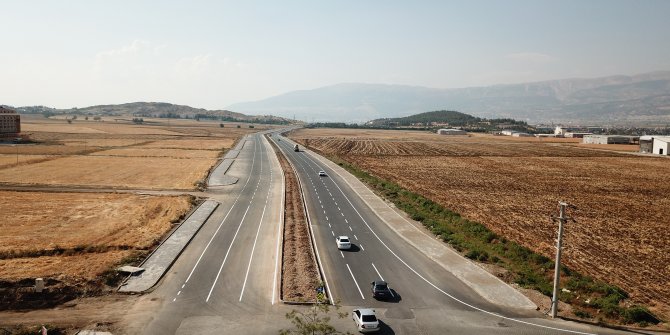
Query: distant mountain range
column 154, row 109
column 640, row 100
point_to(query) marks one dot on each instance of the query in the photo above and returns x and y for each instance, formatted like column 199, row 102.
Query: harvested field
column 612, row 147
column 84, row 266
column 70, row 220
column 102, row 142
column 513, row 188
column 101, row 171
column 63, row 127
column 172, row 153
column 208, row 144
column 9, row 160
column 73, row 239
column 42, row 150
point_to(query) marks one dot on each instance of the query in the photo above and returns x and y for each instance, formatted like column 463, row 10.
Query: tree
column 313, row 321
column 221, row 125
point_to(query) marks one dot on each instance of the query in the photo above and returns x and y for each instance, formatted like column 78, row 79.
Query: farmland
column 73, row 238
column 116, row 155
column 513, row 185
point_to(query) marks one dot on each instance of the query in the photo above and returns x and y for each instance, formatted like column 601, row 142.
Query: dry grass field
column 89, row 232
column 109, row 172
column 11, row 160
column 513, row 186
column 68, row 220
column 147, row 152
column 117, row 154
column 200, row 144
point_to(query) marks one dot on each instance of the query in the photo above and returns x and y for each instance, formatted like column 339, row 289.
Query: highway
column 226, row 281
column 231, row 267
column 427, row 298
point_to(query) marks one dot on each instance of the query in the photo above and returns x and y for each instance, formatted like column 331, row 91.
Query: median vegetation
column 300, row 276
column 590, row 298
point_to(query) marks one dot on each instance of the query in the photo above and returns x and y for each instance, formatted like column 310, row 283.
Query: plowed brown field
column 513, row 186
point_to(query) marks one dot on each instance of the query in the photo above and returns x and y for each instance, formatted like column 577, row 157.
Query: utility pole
column 559, row 243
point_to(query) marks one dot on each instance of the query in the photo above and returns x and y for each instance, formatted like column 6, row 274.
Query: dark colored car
column 381, row 290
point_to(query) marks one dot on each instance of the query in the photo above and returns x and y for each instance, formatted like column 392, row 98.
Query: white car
column 343, row 242
column 322, row 173
column 366, row 320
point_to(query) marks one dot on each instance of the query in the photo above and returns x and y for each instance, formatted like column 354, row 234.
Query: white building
column 610, row 139
column 451, row 132
column 659, row 145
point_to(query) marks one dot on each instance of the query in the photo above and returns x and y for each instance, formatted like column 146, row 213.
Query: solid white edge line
column 355, row 282
column 439, row 289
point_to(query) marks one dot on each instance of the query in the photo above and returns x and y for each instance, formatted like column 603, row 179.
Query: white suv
column 366, row 320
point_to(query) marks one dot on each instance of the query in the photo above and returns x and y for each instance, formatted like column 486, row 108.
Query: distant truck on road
column 296, row 148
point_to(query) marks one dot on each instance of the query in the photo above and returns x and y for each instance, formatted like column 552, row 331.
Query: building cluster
column 571, row 132
column 10, row 123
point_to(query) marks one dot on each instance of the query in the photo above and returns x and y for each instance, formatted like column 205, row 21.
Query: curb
column 168, row 266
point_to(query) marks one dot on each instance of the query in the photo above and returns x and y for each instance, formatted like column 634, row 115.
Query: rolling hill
column 638, row 99
column 155, row 109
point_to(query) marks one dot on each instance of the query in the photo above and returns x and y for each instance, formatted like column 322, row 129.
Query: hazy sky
column 211, row 54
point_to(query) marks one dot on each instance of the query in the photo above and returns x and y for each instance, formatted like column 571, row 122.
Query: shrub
column 582, row 314
column 639, row 314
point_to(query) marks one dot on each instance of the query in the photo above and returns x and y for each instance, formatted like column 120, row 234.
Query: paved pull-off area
column 161, row 259
column 219, row 176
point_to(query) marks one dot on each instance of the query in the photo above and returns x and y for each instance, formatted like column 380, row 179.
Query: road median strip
column 301, row 275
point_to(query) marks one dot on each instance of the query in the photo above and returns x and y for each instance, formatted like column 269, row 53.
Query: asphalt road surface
column 226, row 281
column 427, row 299
column 231, row 266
